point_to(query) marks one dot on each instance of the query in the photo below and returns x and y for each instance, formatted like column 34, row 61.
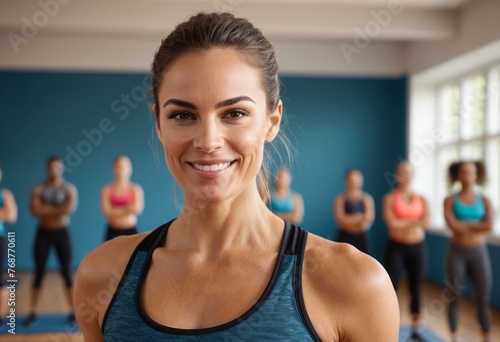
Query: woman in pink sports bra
column 406, row 215
column 122, row 201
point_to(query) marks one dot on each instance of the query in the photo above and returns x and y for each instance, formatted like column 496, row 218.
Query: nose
column 209, row 137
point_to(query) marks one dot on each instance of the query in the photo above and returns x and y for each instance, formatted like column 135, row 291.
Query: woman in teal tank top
column 284, row 202
column 469, row 216
column 227, row 268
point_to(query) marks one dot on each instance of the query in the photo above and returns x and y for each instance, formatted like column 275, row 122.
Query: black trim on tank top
column 287, row 231
column 145, row 245
column 299, row 250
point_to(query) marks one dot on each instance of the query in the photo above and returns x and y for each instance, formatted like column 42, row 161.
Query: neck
column 405, row 189
column 467, row 188
column 122, row 182
column 56, row 181
column 281, row 191
column 210, row 229
column 353, row 193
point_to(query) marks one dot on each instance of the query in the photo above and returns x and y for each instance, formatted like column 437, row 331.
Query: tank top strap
column 296, row 237
column 154, row 239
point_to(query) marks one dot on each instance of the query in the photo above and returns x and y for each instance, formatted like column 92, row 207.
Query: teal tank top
column 469, row 212
column 281, row 205
column 279, row 314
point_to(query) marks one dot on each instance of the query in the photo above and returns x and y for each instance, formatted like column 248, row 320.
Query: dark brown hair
column 206, row 31
column 349, row 171
column 454, row 169
column 52, row 159
column 117, row 159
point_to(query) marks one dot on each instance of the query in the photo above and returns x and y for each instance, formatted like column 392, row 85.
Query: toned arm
column 348, row 294
column 96, row 281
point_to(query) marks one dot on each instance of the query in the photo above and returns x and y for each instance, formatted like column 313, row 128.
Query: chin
column 211, row 195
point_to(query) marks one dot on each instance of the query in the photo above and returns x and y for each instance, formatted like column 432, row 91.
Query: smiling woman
column 228, row 268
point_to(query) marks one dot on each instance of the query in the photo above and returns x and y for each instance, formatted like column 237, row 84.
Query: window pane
column 449, row 109
column 473, row 107
column 473, row 151
column 493, row 98
column 493, row 172
column 445, row 157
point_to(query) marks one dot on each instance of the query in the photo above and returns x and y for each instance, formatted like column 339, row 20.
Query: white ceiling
column 118, row 35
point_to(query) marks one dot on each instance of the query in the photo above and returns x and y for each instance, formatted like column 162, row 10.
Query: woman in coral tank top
column 406, row 215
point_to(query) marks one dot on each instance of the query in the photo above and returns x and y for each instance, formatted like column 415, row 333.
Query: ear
column 274, row 120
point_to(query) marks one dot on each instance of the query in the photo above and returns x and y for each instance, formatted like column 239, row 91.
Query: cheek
column 249, row 141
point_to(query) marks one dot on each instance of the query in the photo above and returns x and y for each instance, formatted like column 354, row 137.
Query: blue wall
column 341, row 123
column 337, row 123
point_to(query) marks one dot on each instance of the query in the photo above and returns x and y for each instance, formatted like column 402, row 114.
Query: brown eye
column 181, row 116
column 236, row 114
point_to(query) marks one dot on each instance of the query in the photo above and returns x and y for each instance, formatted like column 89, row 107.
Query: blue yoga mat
column 45, row 323
column 424, row 334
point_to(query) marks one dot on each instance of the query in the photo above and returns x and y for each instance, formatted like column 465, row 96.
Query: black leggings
column 111, row 232
column 358, row 240
column 413, row 258
column 59, row 238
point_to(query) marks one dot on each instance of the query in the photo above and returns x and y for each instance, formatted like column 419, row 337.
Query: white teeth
column 212, row 168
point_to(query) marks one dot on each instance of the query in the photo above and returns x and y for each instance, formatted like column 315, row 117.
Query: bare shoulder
column 99, row 274
column 136, row 187
column 486, row 200
column 36, row 189
column 111, row 254
column 71, row 187
column 388, row 196
column 448, row 200
column 6, row 193
column 335, row 261
column 339, row 197
column 97, row 279
column 354, row 294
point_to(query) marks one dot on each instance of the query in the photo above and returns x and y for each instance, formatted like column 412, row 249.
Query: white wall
column 478, row 25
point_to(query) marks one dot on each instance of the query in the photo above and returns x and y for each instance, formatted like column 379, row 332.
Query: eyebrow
column 225, row 103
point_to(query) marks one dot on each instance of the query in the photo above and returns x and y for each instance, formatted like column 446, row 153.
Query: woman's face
column 404, row 174
column 467, row 174
column 283, row 179
column 354, row 180
column 213, row 123
column 55, row 169
column 122, row 168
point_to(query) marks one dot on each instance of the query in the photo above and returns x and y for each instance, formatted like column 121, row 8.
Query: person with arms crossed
column 122, row 201
column 469, row 216
column 284, row 202
column 354, row 212
column 52, row 203
column 406, row 215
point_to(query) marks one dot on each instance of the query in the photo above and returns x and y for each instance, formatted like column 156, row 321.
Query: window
column 467, row 116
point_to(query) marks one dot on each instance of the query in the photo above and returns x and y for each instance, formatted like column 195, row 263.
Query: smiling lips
column 212, row 167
